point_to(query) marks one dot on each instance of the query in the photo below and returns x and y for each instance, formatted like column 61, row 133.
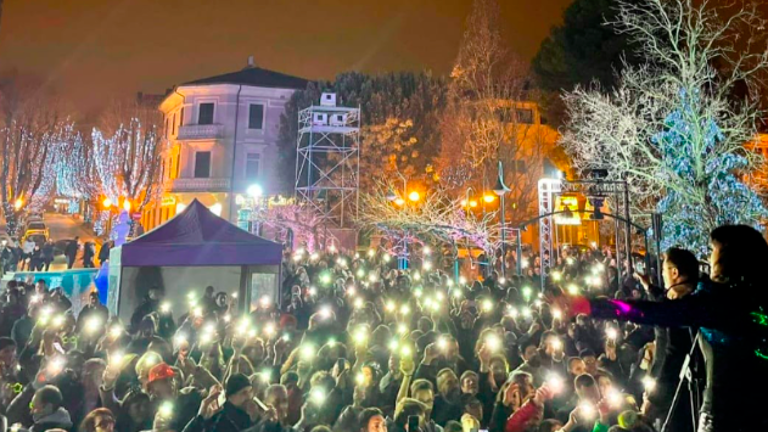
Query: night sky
column 92, row 50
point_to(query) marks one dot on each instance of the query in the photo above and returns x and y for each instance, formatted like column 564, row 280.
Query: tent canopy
column 197, row 237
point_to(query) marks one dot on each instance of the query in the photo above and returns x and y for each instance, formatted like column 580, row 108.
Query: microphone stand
column 686, row 375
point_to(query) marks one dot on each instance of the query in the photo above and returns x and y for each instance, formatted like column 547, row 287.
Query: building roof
column 256, row 77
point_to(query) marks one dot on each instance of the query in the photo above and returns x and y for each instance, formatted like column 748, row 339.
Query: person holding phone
column 226, row 411
column 730, row 313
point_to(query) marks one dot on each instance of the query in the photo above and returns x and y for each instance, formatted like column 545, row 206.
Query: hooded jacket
column 59, row 419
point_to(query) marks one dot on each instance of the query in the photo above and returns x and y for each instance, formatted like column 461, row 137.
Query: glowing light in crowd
column 614, row 398
column 307, row 352
column 493, row 342
column 405, row 310
column 527, row 292
column 587, row 410
column 573, row 289
column 180, row 338
column 557, row 276
column 512, row 311
column 442, row 343
column 93, row 324
column 555, row 383
column 414, row 196
column 270, row 329
column 166, row 409
column 612, row 333
column 360, row 336
column 115, row 331
column 489, row 198
column 557, row 314
column 390, row 306
column 487, row 305
column 165, row 307
column 312, row 291
column 399, row 201
column 394, row 345
column 426, row 250
column 649, row 384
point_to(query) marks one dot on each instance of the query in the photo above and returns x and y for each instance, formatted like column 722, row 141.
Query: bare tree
column 488, row 119
column 32, row 126
column 127, row 149
column 672, row 127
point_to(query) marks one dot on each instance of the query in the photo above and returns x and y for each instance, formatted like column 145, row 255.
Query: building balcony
column 181, row 185
column 200, row 132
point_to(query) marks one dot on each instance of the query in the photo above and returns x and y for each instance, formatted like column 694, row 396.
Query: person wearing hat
column 160, row 384
column 232, row 416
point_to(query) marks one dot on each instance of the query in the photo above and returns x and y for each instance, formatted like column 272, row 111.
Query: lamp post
column 501, row 190
column 402, row 259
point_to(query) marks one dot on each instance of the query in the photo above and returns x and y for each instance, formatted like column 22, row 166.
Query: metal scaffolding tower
column 328, row 160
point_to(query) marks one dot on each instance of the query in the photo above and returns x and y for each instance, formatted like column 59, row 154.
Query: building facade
column 222, row 133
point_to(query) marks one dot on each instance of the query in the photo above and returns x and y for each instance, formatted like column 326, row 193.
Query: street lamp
column 254, row 191
column 501, row 190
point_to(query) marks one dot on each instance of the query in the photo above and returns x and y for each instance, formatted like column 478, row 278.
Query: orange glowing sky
column 93, row 50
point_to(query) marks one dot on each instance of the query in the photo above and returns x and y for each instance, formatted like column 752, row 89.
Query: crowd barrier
column 76, row 283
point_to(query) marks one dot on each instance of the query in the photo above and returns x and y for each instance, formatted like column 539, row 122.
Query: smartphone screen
column 57, row 346
column 413, row 423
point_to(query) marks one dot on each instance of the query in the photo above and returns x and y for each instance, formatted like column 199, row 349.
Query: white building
column 222, row 132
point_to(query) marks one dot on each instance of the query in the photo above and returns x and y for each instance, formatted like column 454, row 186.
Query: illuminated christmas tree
column 704, row 191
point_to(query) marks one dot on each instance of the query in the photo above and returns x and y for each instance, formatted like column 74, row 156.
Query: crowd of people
column 357, row 345
column 37, row 254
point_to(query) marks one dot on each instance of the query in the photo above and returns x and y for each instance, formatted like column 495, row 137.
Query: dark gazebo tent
column 189, row 252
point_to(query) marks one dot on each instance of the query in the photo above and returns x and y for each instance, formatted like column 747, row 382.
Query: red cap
column 160, row 371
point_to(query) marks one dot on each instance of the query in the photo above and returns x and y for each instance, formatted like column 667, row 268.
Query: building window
column 174, row 123
column 178, row 165
column 181, row 117
column 256, row 116
column 202, row 164
column 252, row 166
column 524, row 116
column 206, row 114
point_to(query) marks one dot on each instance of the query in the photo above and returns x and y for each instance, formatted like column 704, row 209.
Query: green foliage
column 583, row 48
column 402, row 96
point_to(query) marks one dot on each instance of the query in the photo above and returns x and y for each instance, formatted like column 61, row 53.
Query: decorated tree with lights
column 432, row 218
column 72, row 167
column 672, row 127
column 127, row 154
column 707, row 196
column 300, row 219
column 32, row 127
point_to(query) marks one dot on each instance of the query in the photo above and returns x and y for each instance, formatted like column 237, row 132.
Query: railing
column 200, row 185
column 198, row 132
